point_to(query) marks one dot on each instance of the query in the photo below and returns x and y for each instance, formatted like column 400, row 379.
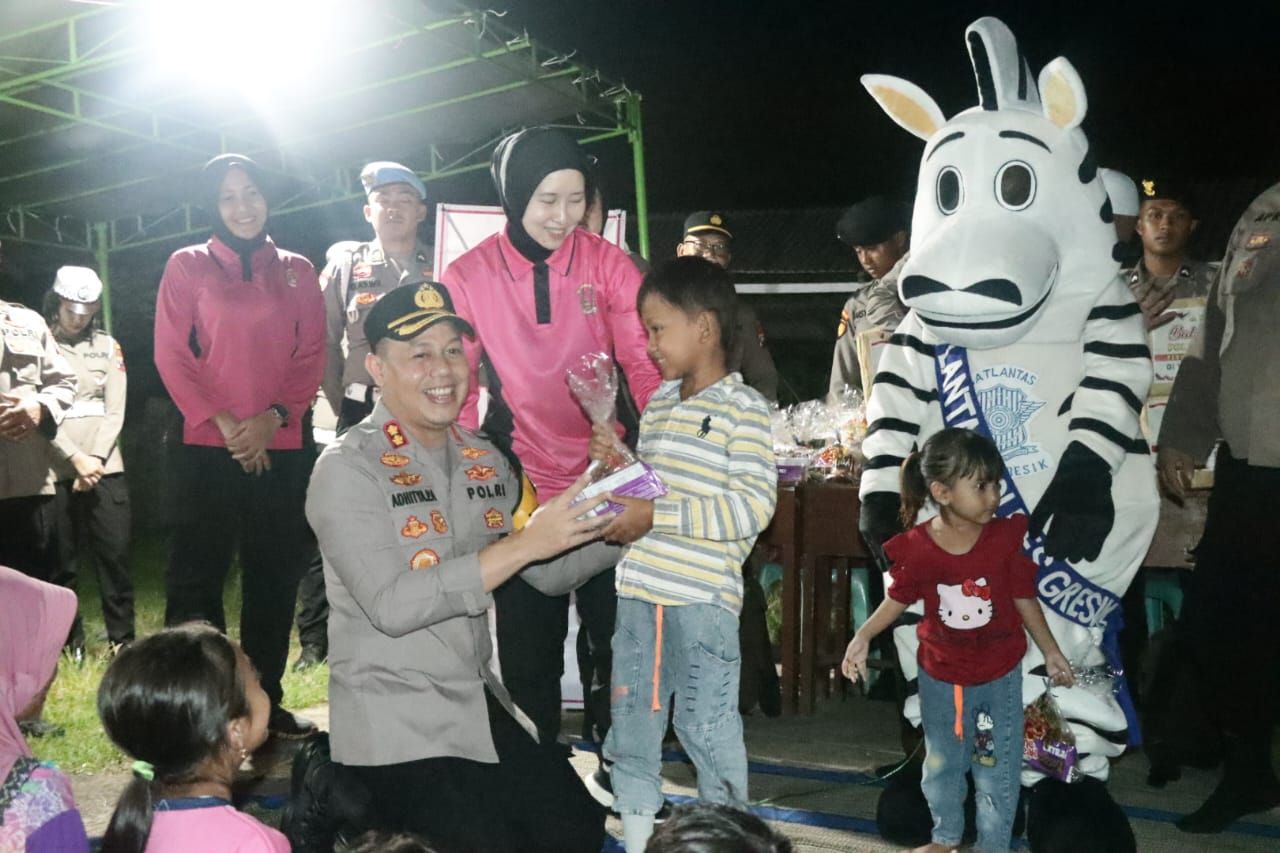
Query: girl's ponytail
column 915, row 491
column 131, row 821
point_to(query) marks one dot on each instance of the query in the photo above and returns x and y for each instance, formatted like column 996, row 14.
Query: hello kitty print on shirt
column 965, row 606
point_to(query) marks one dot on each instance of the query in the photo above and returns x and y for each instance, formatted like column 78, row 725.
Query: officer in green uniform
column 355, row 277
column 1166, row 221
column 414, row 516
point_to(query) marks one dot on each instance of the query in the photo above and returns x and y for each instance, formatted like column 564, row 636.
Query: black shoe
column 310, row 656
column 40, row 728
column 283, row 724
column 1224, row 807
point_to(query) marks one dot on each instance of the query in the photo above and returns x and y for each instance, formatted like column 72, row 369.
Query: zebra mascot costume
column 1020, row 328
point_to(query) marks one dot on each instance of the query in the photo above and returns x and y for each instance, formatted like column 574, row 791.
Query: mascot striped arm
column 1020, row 327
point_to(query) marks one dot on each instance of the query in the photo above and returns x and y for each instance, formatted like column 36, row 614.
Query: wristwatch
column 280, row 412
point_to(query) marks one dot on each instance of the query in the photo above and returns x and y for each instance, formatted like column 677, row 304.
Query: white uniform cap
column 1122, row 191
column 80, row 286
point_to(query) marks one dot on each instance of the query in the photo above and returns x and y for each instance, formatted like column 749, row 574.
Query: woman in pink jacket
column 239, row 343
column 541, row 294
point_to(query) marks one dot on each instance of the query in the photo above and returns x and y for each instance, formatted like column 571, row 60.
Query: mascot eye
column 1015, row 185
column 950, row 190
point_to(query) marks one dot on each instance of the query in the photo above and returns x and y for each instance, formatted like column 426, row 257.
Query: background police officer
column 876, row 230
column 707, row 235
column 355, row 277
column 37, row 386
column 1166, row 221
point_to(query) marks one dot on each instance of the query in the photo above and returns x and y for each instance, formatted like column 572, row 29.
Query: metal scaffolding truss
column 97, row 149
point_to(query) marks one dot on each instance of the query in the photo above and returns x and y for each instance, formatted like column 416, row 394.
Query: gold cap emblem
column 1149, row 188
column 715, row 219
column 428, row 297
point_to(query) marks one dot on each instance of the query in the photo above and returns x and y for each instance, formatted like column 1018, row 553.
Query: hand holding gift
column 614, row 468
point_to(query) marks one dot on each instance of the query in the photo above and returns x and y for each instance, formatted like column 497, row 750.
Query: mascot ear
column 1062, row 94
column 906, row 103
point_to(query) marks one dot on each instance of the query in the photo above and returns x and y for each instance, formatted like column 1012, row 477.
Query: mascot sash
column 1068, row 593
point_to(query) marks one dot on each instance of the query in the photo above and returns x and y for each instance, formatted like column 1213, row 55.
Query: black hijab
column 520, row 162
column 211, row 178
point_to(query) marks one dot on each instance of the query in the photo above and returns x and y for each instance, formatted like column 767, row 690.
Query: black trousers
column 531, row 800
column 26, row 536
column 223, row 507
column 313, row 606
column 99, row 519
column 531, row 632
column 1232, row 597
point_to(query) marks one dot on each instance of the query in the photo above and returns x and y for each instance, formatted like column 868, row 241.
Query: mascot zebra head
column 1011, row 224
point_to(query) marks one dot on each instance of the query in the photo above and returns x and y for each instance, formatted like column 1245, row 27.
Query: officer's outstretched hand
column 558, row 526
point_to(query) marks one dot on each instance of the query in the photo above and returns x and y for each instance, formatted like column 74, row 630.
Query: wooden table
column 812, row 522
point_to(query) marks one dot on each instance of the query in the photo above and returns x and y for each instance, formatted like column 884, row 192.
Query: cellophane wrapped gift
column 1048, row 745
column 594, row 382
column 829, row 432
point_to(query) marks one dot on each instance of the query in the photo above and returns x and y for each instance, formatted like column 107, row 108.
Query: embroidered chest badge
column 424, row 559
column 438, row 522
column 406, row 479
column 587, row 297
column 394, row 460
column 705, row 429
column 481, row 472
column 473, row 453
column 1258, row 240
column 493, row 519
column 413, row 528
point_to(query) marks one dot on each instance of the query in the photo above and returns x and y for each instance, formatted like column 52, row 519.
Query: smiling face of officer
column 395, row 211
column 555, row 208
column 241, row 204
column 424, row 381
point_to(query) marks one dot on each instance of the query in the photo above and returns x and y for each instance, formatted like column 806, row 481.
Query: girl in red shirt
column 979, row 592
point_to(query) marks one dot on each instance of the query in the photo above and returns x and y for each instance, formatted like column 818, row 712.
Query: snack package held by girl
column 1048, row 744
column 594, row 382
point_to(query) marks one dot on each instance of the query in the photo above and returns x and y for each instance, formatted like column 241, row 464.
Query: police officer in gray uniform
column 415, row 517
column 876, row 230
column 357, row 275
column 1166, row 221
column 37, row 387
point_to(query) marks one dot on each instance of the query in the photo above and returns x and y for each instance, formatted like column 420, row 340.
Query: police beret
column 80, row 286
column 409, row 310
column 1169, row 189
column 707, row 220
column 384, row 172
column 871, row 221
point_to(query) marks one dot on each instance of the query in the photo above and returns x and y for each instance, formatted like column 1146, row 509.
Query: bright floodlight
column 252, row 45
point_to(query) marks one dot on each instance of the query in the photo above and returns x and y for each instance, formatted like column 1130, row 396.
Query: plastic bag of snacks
column 594, row 382
column 1048, row 744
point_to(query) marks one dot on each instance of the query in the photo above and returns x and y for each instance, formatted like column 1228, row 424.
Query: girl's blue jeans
column 990, row 747
column 697, row 672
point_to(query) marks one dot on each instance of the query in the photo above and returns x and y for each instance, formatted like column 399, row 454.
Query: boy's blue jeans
column 991, row 747
column 698, row 670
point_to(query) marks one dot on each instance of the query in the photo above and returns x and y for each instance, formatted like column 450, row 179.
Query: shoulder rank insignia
column 424, row 559
column 493, row 519
column 413, row 528
column 394, row 434
column 394, row 460
column 480, row 472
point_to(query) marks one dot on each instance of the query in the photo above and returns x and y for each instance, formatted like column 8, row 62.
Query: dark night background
column 751, row 105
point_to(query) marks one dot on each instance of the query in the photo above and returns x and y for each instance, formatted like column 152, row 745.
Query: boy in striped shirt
column 679, row 583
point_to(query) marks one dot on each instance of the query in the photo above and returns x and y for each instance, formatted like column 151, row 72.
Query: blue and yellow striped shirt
column 714, row 451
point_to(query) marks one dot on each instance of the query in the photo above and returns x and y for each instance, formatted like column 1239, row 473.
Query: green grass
column 73, row 699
